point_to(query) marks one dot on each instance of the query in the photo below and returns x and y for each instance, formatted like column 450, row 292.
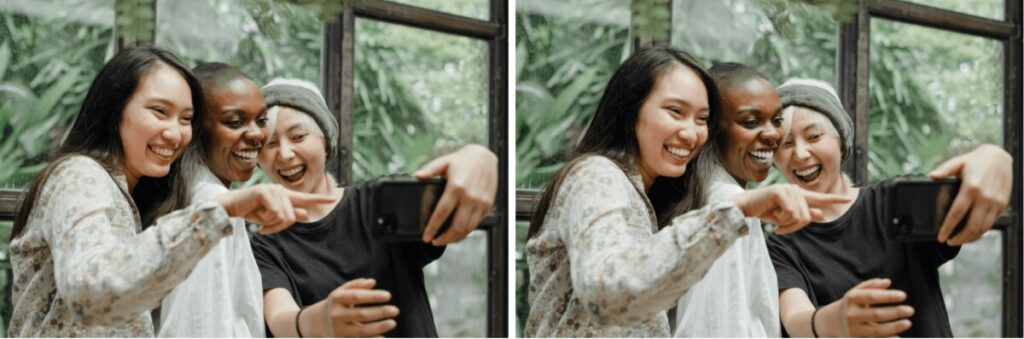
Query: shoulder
column 79, row 165
column 78, row 171
column 596, row 169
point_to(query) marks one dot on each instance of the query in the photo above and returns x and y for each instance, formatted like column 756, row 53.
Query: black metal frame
column 852, row 77
column 339, row 81
column 337, row 57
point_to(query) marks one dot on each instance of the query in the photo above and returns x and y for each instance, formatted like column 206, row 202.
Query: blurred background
column 933, row 93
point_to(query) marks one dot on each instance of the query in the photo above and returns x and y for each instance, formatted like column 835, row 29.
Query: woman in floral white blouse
column 83, row 265
column 601, row 262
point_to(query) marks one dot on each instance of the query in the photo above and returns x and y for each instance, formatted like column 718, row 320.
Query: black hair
column 96, row 130
column 612, row 131
column 728, row 74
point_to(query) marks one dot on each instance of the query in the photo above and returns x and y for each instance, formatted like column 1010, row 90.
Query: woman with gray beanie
column 330, row 277
column 846, row 277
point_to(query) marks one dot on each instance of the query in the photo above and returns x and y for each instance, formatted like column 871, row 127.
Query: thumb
column 951, row 167
column 437, row 167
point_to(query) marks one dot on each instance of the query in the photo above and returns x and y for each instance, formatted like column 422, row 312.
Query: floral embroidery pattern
column 83, row 267
column 599, row 266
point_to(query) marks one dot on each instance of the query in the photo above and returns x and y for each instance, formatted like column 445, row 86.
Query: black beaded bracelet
column 298, row 330
column 814, row 331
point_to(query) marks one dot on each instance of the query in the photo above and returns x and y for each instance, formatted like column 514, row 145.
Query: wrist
column 312, row 321
column 830, row 322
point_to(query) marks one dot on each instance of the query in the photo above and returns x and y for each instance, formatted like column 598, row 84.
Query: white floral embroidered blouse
column 599, row 266
column 83, row 267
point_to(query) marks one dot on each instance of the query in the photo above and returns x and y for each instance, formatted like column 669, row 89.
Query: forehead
column 234, row 92
column 287, row 118
column 164, row 82
column 754, row 93
column 680, row 82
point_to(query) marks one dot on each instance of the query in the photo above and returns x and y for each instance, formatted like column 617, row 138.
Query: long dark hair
column 96, row 130
column 612, row 132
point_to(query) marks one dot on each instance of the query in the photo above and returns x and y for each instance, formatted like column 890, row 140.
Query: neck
column 840, row 187
column 131, row 179
column 326, row 187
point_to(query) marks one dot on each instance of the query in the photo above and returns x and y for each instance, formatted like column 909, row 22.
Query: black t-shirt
column 312, row 259
column 828, row 259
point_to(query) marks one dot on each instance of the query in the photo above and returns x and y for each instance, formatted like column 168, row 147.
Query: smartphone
column 917, row 206
column 402, row 207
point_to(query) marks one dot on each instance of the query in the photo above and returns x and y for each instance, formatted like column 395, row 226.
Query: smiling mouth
column 809, row 174
column 247, row 155
column 764, row 157
column 162, row 151
column 679, row 152
column 293, row 174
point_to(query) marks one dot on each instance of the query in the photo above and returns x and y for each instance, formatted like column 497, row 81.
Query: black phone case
column 917, row 206
column 401, row 206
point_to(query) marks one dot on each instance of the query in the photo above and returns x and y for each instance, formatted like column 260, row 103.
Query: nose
column 284, row 151
column 255, row 134
column 770, row 135
column 800, row 151
column 688, row 132
column 177, row 134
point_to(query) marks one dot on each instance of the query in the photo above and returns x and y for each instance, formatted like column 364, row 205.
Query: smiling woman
column 600, row 262
column 82, row 263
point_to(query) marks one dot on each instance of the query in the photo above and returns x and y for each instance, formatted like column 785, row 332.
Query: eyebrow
column 811, row 126
column 295, row 126
column 683, row 102
column 166, row 102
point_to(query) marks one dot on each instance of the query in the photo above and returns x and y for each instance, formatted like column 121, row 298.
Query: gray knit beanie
column 819, row 96
column 304, row 96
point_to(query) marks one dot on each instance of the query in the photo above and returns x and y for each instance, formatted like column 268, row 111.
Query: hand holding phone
column 402, row 206
column 986, row 174
column 916, row 207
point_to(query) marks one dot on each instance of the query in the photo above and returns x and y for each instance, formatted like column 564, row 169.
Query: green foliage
column 42, row 83
column 135, row 19
column 651, row 18
column 563, row 65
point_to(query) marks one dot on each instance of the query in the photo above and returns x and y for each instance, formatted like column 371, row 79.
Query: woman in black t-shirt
column 829, row 273
column 330, row 277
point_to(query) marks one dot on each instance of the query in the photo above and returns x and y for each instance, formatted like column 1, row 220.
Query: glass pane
column 476, row 9
column 934, row 94
column 264, row 39
column 457, row 288
column 780, row 42
column 566, row 51
column 972, row 285
column 49, row 53
column 419, row 95
column 992, row 9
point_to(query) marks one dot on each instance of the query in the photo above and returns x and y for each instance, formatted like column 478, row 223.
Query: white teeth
column 166, row 152
column 292, row 172
column 245, row 154
column 808, row 171
column 682, row 152
column 763, row 154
